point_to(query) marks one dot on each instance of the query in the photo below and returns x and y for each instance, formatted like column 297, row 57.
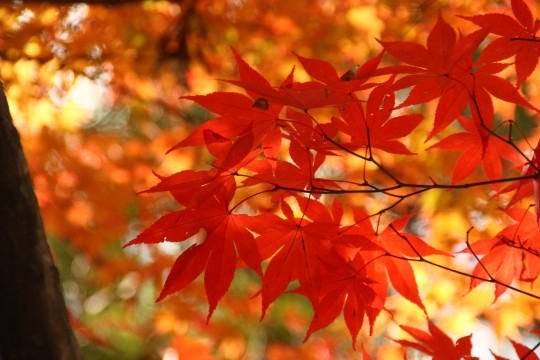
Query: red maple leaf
column 352, row 81
column 375, row 128
column 346, row 287
column 522, row 351
column 300, row 95
column 518, row 37
column 345, row 283
column 192, row 188
column 237, row 113
column 329, row 90
column 365, row 355
column 514, row 253
column 256, row 85
column 396, row 246
column 294, row 246
column 227, row 240
column 442, row 69
column 485, row 84
column 437, row 344
column 288, row 177
column 479, row 147
column 299, row 126
column 527, row 187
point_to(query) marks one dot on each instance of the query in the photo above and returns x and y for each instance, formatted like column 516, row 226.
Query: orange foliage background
column 94, row 93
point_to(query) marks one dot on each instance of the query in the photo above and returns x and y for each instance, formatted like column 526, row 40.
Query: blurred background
column 94, row 91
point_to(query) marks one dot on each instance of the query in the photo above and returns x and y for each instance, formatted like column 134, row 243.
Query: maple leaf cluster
column 279, row 143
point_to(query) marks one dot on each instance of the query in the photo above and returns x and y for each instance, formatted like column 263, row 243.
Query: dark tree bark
column 34, row 322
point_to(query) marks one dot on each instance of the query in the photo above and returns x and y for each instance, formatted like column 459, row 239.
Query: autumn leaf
column 440, row 70
column 479, row 147
column 288, row 176
column 227, row 240
column 485, row 83
column 295, row 247
column 352, row 81
column 400, row 246
column 527, row 187
column 511, row 255
column 236, row 115
column 523, row 351
column 374, row 127
column 254, row 83
column 437, row 344
column 348, row 289
column 365, row 355
column 329, row 90
column 518, row 37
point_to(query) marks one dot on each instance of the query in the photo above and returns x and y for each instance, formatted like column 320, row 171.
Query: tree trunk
column 34, row 322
